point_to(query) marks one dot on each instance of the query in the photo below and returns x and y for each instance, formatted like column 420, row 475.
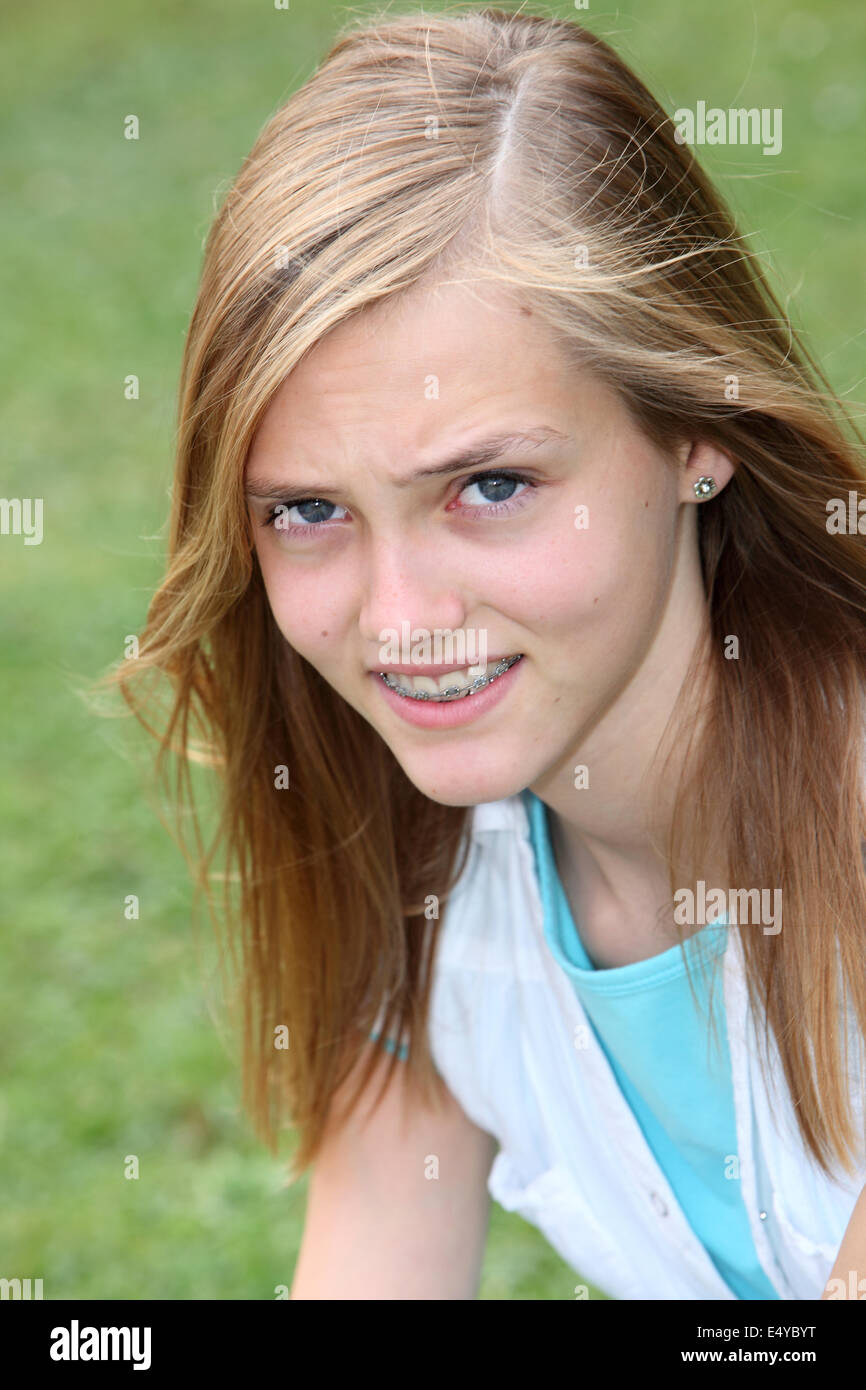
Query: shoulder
column 475, row 918
column 488, row 967
column 508, row 815
column 497, row 883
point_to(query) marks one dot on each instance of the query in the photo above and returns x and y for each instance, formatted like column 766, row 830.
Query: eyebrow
column 485, row 451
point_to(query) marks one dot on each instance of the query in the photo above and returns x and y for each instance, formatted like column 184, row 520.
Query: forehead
column 406, row 374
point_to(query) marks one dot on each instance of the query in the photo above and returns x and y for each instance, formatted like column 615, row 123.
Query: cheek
column 608, row 577
column 306, row 610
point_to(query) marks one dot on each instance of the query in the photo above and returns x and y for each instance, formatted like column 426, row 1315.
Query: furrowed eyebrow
column 484, row 452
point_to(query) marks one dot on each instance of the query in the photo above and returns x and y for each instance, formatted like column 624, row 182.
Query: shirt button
column 763, row 1215
column 659, row 1204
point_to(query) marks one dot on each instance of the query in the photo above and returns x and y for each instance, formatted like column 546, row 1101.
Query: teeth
column 437, row 685
column 453, row 685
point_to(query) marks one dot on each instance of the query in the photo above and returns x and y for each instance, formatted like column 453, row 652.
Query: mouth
column 453, row 685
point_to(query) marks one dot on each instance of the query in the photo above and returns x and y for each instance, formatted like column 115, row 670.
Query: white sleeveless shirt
column 572, row 1159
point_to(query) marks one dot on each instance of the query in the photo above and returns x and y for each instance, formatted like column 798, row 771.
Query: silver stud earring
column 705, row 487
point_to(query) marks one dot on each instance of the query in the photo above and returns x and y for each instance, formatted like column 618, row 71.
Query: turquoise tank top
column 679, row 1088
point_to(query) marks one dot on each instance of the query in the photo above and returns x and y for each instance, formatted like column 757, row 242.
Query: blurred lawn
column 108, row 1046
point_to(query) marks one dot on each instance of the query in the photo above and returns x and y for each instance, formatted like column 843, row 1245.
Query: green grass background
column 108, row 1046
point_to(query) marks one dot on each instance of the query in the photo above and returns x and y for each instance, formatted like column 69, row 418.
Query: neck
column 609, row 837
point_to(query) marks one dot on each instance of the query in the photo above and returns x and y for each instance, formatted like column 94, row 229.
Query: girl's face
column 574, row 547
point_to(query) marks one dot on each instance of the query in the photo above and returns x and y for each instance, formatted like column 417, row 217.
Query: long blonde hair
column 521, row 149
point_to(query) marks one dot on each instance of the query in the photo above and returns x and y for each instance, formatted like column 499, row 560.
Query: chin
column 462, row 788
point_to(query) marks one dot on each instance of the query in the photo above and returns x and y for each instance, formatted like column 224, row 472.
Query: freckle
column 595, row 601
column 646, row 504
column 324, row 634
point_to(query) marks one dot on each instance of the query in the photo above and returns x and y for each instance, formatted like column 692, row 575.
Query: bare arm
column 852, row 1253
column 379, row 1223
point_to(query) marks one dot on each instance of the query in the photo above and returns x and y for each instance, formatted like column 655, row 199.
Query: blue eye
column 316, row 512
column 312, row 506
column 496, row 481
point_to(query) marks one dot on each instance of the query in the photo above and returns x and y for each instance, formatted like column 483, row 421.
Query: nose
column 408, row 581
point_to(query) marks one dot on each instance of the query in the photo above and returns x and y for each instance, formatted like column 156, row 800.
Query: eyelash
column 492, row 508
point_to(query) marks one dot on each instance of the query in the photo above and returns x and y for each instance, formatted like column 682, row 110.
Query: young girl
column 516, row 587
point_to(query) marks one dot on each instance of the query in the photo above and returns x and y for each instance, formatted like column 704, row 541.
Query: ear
column 698, row 458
